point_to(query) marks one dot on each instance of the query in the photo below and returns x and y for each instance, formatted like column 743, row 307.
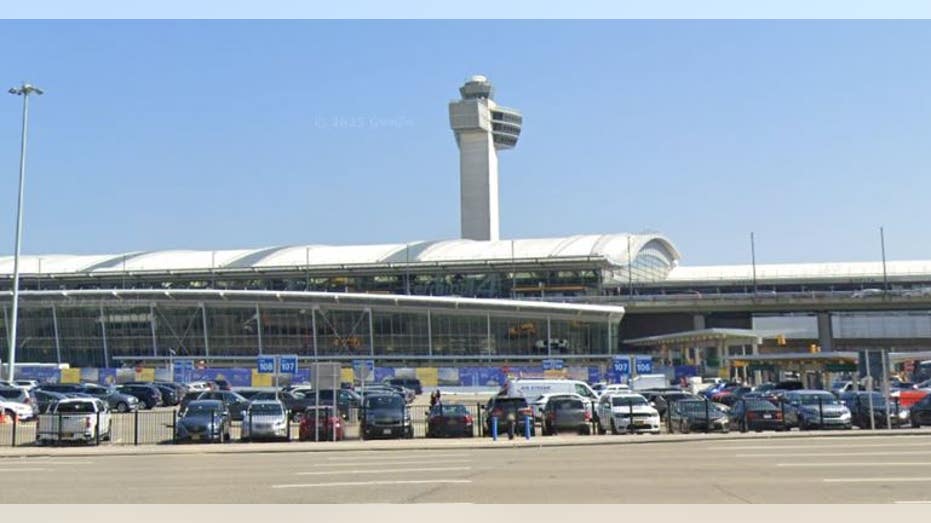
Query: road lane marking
column 374, row 483
column 383, row 463
column 380, row 471
column 859, row 464
column 405, row 457
column 834, row 454
column 842, row 446
column 928, row 502
column 875, row 480
column 56, row 462
column 25, row 469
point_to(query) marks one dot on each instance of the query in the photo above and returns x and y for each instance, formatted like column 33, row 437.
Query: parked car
column 538, row 405
column 347, row 401
column 511, row 413
column 698, row 415
column 386, row 416
column 627, row 413
column 171, row 396
column 222, row 384
column 449, row 420
column 294, row 401
column 148, row 395
column 75, row 419
column 265, row 419
column 21, row 396
column 22, row 411
column 613, row 388
column 660, row 400
column 27, row 384
column 858, row 403
column 235, row 404
column 408, row 383
column 755, row 414
column 118, row 401
column 46, row 398
column 808, row 409
column 568, row 414
column 790, row 385
column 919, row 414
column 204, row 420
column 200, row 386
column 331, row 425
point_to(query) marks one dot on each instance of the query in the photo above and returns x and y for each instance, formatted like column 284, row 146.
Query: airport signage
column 266, row 364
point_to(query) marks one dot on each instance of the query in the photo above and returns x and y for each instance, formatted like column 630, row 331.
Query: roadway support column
column 825, row 332
column 203, row 319
column 258, row 326
column 57, row 337
column 153, row 330
column 103, row 332
column 429, row 334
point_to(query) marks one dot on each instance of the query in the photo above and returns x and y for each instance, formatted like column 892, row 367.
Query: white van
column 534, row 388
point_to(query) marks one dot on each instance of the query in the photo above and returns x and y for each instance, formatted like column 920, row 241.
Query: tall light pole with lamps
column 23, row 90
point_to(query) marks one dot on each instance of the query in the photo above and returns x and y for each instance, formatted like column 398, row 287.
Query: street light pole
column 24, row 90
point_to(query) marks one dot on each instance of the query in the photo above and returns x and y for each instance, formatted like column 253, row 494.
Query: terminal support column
column 57, row 337
column 825, row 332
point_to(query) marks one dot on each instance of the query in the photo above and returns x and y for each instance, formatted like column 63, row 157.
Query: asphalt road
column 875, row 469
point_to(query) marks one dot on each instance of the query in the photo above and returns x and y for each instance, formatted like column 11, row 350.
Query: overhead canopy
column 796, row 357
column 709, row 336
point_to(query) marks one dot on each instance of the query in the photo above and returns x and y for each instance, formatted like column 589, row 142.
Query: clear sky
column 157, row 135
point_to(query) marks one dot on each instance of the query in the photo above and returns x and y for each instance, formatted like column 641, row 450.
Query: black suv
column 146, row 393
column 386, row 416
column 408, row 383
column 512, row 414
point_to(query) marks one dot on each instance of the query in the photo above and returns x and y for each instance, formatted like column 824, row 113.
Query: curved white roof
column 610, row 247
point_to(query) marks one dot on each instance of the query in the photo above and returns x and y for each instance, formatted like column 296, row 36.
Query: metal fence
column 159, row 426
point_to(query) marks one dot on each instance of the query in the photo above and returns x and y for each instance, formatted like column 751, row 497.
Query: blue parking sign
column 287, row 364
column 266, row 364
column 622, row 365
column 644, row 365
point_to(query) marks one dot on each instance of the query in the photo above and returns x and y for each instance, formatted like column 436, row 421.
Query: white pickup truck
column 75, row 419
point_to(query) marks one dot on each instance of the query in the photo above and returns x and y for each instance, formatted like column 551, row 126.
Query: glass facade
column 106, row 333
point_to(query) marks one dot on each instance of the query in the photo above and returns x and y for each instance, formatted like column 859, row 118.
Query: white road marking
column 383, row 463
column 875, row 480
column 40, row 461
column 407, row 456
column 25, row 469
column 373, row 483
column 928, row 502
column 834, row 454
column 826, row 446
column 380, row 471
column 859, row 464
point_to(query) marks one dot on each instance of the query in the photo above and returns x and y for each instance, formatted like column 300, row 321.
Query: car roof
column 264, row 402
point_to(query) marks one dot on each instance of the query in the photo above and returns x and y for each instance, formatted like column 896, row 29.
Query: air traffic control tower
column 482, row 127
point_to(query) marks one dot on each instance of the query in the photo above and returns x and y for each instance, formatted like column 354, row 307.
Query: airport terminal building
column 477, row 299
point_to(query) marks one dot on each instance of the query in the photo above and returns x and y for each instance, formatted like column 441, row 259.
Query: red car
column 329, row 423
column 451, row 420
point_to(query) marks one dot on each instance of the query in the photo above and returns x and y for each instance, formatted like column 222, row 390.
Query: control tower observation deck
column 482, row 127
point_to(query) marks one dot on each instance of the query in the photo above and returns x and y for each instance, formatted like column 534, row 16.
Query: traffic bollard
column 820, row 412
column 97, row 430
column 15, row 420
column 782, row 410
column 494, row 428
column 136, row 427
column 630, row 417
column 481, row 422
column 174, row 426
column 528, row 424
column 707, row 416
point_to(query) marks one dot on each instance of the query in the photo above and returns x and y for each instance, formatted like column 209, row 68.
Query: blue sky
column 156, row 135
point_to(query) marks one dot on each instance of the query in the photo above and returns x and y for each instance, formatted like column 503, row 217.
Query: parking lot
column 740, row 469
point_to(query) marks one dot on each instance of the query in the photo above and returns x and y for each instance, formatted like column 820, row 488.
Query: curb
column 645, row 439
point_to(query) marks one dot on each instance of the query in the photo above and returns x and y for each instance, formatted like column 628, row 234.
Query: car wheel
column 122, row 407
column 614, row 430
column 585, row 430
column 801, row 425
column 685, row 428
column 601, row 428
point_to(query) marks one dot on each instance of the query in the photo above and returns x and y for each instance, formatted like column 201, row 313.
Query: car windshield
column 265, row 408
column 508, row 403
column 384, row 402
column 878, row 399
column 11, row 393
column 76, row 407
column 626, row 401
column 813, row 399
column 201, row 410
column 449, row 410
